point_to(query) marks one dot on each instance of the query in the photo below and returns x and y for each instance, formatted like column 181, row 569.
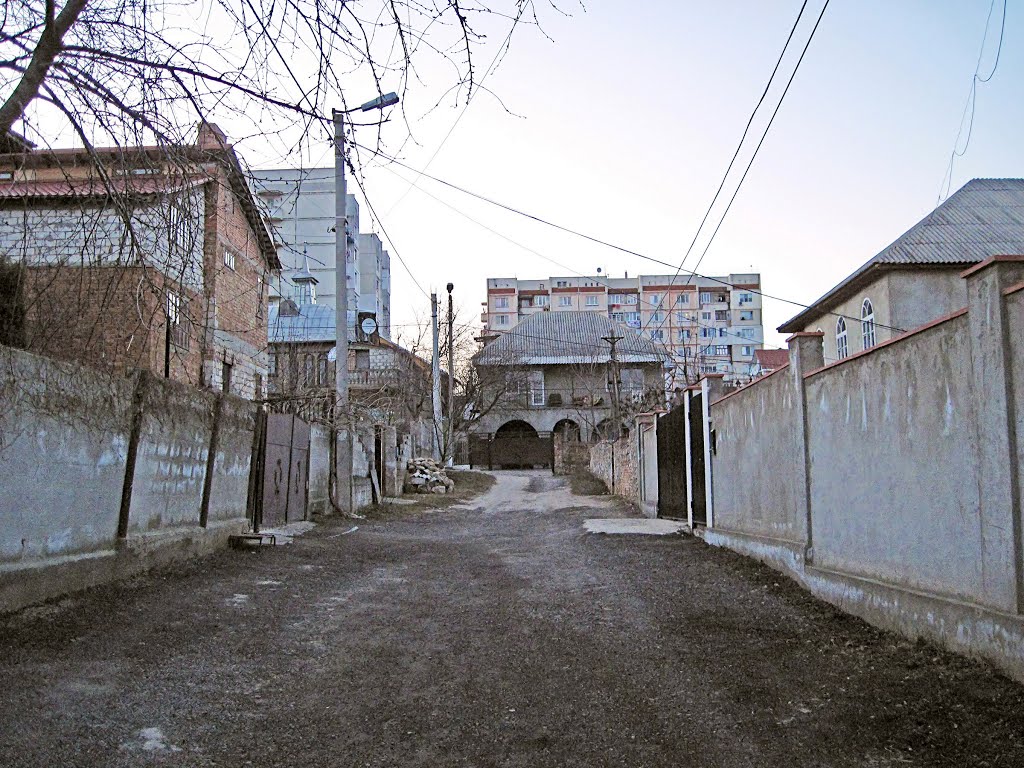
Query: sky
column 620, row 118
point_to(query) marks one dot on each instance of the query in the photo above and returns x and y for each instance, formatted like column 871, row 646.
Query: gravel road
column 496, row 633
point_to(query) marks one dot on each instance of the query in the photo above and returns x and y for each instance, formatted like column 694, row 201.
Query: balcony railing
column 374, row 378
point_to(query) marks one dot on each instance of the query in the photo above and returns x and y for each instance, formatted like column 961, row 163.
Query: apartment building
column 299, row 205
column 707, row 324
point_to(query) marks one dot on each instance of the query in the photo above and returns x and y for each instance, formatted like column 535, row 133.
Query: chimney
column 211, row 137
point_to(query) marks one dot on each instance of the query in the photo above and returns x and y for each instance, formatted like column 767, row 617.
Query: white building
column 300, row 209
column 375, row 281
column 707, row 324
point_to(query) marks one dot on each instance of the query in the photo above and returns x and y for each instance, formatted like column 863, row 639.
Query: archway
column 567, row 429
column 516, row 428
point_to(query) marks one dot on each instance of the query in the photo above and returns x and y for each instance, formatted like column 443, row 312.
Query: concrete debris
column 427, row 476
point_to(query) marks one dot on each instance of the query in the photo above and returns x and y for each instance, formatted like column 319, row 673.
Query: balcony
column 367, row 378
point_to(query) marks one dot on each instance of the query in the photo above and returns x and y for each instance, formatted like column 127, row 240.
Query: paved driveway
column 497, row 634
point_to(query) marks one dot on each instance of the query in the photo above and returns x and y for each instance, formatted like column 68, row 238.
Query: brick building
column 152, row 257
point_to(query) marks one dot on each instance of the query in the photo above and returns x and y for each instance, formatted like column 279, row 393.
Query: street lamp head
column 450, row 287
column 386, row 100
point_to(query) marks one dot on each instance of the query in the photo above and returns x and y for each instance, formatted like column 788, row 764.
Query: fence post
column 138, row 413
column 996, row 423
column 806, row 353
column 211, row 458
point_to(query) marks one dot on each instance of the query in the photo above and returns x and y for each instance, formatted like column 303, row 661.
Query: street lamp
column 343, row 454
column 341, row 243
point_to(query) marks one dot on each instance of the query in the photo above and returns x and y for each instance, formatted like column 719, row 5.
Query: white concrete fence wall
column 890, row 483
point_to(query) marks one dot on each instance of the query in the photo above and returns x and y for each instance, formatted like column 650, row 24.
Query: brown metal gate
column 286, row 469
column 672, row 463
column 512, row 451
column 700, row 515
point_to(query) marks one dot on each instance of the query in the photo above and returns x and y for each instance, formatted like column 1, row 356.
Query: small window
column 633, row 319
column 658, row 335
column 746, row 333
column 656, row 317
column 746, row 298
column 501, row 302
column 562, row 284
column 540, row 301
column 683, row 298
column 502, row 320
column 229, row 258
column 655, row 299
column 536, row 384
column 842, row 345
column 177, row 319
column 721, row 350
column 867, row 323
column 746, row 351
column 683, row 334
column 746, row 315
column 591, row 301
column 565, row 301
column 721, row 315
column 705, row 315
column 225, row 376
column 705, row 298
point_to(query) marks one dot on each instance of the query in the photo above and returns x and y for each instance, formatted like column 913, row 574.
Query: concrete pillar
column 389, row 445
column 995, row 424
column 806, row 353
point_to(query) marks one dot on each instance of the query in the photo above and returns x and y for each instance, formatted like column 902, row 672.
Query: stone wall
column 616, row 464
column 571, row 456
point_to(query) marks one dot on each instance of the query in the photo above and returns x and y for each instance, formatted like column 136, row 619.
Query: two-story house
column 139, row 257
column 555, row 373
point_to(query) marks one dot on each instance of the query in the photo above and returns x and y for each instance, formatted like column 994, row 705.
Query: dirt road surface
column 496, row 633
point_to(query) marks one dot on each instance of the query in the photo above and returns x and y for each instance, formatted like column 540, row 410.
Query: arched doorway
column 567, row 430
column 516, row 428
column 517, row 444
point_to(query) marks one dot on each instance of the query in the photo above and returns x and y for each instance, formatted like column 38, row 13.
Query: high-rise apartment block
column 708, row 324
column 299, row 204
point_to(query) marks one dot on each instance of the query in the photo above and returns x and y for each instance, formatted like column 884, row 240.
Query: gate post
column 490, row 455
column 211, row 458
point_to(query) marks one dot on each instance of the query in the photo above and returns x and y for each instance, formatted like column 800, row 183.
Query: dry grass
column 468, row 485
column 583, row 483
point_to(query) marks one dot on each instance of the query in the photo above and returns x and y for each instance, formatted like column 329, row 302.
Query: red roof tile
column 140, row 185
column 772, row 359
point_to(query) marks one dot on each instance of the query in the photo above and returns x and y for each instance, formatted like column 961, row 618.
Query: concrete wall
column 66, row 437
column 757, row 432
column 904, row 463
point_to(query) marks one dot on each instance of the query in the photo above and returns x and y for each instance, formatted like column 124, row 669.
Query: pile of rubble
column 427, row 476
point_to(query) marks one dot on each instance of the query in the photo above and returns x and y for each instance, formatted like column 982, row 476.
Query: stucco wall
column 1015, row 320
column 878, row 293
column 757, row 431
column 229, row 488
column 319, row 471
column 920, row 296
column 616, row 464
column 894, row 470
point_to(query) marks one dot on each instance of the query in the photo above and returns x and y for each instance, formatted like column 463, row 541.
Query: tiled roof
column 549, row 338
column 984, row 218
column 771, row 359
column 62, row 188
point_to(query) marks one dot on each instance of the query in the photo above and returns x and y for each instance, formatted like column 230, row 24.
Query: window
column 619, row 317
column 501, row 302
column 536, row 384
column 591, row 301
column 683, row 334
column 658, row 335
column 705, row 315
column 723, row 332
column 616, row 298
column 177, row 319
column 225, row 376
column 746, row 333
column 631, row 298
column 362, row 359
column 631, row 380
column 842, row 345
column 681, row 351
column 681, row 317
column 655, row 299
column 721, row 350
column 540, row 301
column 257, row 386
column 708, row 333
column 746, row 316
column 721, row 315
column 562, row 284
column 746, row 351
column 229, row 258
column 705, row 298
column 502, row 320
column 633, row 319
column 565, row 301
column 683, row 298
column 656, row 317
column 746, row 298
column 322, row 369
column 867, row 323
column 272, row 363
column 309, row 371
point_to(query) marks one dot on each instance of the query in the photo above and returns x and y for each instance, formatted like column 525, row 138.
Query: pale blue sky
column 625, row 122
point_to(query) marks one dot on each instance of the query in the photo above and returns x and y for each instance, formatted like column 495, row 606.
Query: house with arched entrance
column 555, row 374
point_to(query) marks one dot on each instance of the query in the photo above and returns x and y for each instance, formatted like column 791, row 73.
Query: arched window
column 842, row 347
column 867, row 323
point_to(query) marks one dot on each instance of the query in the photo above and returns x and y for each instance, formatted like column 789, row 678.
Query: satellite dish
column 599, row 270
column 332, row 354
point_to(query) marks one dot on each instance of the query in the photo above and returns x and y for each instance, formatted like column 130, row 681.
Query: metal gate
column 285, row 469
column 700, row 515
column 512, row 451
column 672, row 463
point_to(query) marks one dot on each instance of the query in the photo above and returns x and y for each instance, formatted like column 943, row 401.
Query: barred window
column 177, row 319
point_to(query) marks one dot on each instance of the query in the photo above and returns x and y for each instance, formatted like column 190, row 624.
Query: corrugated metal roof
column 984, row 218
column 141, row 185
column 314, row 322
column 552, row 338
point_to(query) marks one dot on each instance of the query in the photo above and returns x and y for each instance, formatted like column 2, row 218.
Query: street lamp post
column 341, row 273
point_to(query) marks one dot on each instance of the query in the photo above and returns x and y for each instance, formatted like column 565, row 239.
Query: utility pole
column 343, row 448
column 614, row 365
column 435, row 369
column 450, row 443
